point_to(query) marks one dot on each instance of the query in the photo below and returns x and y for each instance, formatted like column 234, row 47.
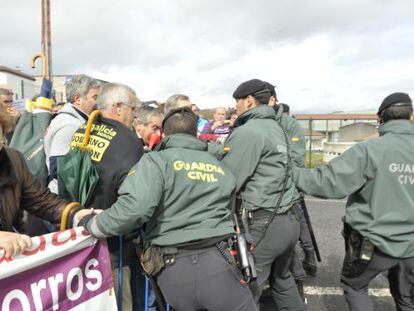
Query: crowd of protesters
column 255, row 157
column 137, row 128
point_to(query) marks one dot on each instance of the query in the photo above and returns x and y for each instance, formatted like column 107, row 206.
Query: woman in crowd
column 19, row 191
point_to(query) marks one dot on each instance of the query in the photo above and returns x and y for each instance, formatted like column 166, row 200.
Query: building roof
column 39, row 77
column 336, row 116
column 370, row 137
column 314, row 133
column 16, row 73
column 360, row 124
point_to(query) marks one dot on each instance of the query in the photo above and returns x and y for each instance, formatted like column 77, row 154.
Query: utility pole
column 310, row 142
column 46, row 39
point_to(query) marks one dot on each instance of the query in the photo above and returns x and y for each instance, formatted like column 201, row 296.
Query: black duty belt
column 265, row 213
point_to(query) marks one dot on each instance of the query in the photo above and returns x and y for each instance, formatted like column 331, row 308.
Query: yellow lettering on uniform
column 194, row 166
column 213, row 178
column 203, row 176
column 226, row 149
column 202, row 166
column 192, row 175
column 220, row 170
column 295, row 139
column 178, row 165
column 187, row 166
column 209, row 167
column 132, row 172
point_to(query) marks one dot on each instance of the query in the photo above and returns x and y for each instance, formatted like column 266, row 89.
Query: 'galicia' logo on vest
column 406, row 171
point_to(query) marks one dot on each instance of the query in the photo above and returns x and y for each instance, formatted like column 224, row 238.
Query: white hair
column 173, row 102
column 80, row 85
column 116, row 93
column 144, row 115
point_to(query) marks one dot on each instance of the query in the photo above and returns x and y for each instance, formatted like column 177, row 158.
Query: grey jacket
column 58, row 137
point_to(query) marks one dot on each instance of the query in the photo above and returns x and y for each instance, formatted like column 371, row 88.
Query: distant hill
column 208, row 113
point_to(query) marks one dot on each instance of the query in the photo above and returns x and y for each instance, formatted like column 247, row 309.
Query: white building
column 59, row 86
column 22, row 84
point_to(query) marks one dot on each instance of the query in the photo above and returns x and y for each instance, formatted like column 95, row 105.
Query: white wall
column 14, row 82
column 332, row 150
column 3, row 78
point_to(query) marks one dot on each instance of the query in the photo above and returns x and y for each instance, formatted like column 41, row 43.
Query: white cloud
column 323, row 55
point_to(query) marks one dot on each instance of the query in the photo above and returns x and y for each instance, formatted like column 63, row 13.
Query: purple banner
column 60, row 284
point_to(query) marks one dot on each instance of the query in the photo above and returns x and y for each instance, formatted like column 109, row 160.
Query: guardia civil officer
column 297, row 149
column 378, row 176
column 185, row 198
column 257, row 155
column 298, row 152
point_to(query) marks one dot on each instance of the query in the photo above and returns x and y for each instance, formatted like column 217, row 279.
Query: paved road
column 324, row 291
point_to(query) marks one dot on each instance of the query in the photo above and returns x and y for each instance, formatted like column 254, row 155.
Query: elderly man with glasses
column 114, row 149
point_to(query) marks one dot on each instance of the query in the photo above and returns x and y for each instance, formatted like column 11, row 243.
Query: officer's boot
column 309, row 263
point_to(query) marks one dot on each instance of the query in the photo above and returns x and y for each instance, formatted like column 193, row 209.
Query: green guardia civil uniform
column 185, row 196
column 296, row 137
column 257, row 157
column 181, row 192
column 378, row 176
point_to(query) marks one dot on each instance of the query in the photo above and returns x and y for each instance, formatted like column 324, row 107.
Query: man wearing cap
column 258, row 156
column 378, row 177
column 185, row 198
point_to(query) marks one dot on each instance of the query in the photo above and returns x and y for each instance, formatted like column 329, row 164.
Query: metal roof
column 336, row 116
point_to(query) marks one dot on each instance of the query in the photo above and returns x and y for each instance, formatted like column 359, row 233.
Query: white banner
column 67, row 270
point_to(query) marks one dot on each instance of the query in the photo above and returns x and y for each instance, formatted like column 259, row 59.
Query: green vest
column 378, row 176
column 296, row 137
column 257, row 157
column 181, row 192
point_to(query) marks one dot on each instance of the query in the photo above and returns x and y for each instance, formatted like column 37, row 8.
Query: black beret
column 285, row 107
column 271, row 89
column 251, row 87
column 395, row 99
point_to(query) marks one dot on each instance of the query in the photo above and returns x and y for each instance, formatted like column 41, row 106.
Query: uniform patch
column 201, row 171
column 132, row 172
column 295, row 139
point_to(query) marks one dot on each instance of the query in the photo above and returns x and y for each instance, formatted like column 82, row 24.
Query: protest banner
column 68, row 270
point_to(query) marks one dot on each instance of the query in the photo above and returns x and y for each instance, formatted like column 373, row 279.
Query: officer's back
column 260, row 144
column 197, row 193
column 378, row 176
column 258, row 156
column 185, row 198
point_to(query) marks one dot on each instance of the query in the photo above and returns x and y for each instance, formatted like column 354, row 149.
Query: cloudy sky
column 323, row 55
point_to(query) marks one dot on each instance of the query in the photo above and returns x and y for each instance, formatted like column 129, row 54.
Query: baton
column 308, row 222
